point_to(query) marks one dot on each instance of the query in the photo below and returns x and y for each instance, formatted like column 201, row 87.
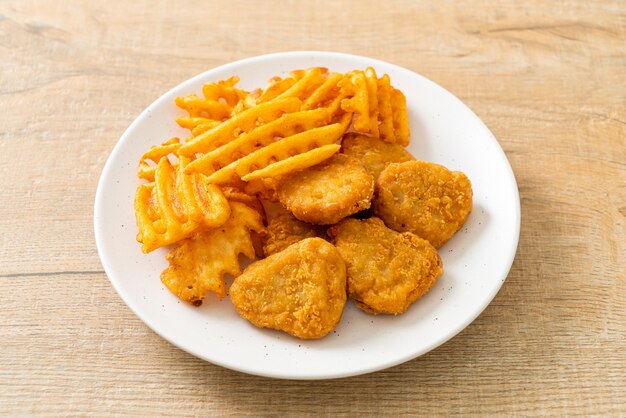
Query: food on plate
column 380, row 110
column 327, row 149
column 285, row 229
column 236, row 125
column 175, row 205
column 328, row 192
column 198, row 264
column 291, row 136
column 300, row 290
column 375, row 154
column 424, row 198
column 387, row 270
column 233, row 194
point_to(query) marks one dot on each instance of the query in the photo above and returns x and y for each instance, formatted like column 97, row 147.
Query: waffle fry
column 192, row 123
column 302, row 143
column 400, row 117
column 276, row 87
column 307, row 84
column 295, row 163
column 219, row 100
column 327, row 91
column 203, row 108
column 154, row 155
column 385, row 112
column 372, row 95
column 240, row 123
column 287, row 125
column 176, row 204
column 198, row 264
column 355, row 86
column 224, row 90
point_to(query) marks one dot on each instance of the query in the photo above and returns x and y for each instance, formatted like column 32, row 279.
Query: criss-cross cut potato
column 198, row 264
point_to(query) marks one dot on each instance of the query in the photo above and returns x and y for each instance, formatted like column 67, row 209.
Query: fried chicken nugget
column 300, row 290
column 284, row 230
column 387, row 270
column 374, row 153
column 328, row 192
column 424, row 198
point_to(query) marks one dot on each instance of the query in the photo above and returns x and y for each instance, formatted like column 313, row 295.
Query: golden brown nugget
column 300, row 290
column 374, row 153
column 387, row 270
column 328, row 192
column 424, row 198
column 285, row 230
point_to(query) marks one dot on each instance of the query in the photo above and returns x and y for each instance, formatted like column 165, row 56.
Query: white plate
column 476, row 261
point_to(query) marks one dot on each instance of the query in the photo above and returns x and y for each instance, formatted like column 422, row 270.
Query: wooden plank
column 550, row 82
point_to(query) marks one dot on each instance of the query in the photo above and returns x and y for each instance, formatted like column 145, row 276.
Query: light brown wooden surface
column 548, row 79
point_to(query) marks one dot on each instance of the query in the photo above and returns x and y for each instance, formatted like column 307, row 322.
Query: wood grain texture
column 549, row 81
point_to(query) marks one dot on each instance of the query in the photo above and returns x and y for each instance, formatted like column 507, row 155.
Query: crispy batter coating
column 327, row 192
column 374, row 153
column 387, row 270
column 198, row 264
column 300, row 290
column 285, row 230
column 424, row 198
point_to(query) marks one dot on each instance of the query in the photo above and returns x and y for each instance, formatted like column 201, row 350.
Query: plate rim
column 460, row 326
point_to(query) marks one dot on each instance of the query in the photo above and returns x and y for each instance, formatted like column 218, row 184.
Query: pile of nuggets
column 354, row 214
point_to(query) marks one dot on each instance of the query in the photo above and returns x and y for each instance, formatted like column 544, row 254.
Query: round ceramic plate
column 476, row 260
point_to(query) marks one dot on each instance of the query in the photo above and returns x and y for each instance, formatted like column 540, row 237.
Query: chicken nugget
column 285, row 230
column 374, row 153
column 328, row 192
column 300, row 290
column 424, row 198
column 387, row 270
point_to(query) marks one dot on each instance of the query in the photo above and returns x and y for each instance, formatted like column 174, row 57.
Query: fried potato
column 278, row 151
column 198, row 264
column 154, row 155
column 387, row 271
column 259, row 138
column 202, row 108
column 284, row 230
column 326, row 94
column 307, row 83
column 300, row 290
column 175, row 205
column 375, row 154
column 400, row 117
column 385, row 112
column 240, row 123
column 217, row 105
column 233, row 194
column 372, row 95
column 424, row 198
column 294, row 163
column 354, row 85
column 327, row 192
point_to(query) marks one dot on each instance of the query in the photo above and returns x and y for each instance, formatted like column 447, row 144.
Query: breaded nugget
column 374, row 153
column 424, row 198
column 327, row 192
column 285, row 230
column 300, row 290
column 387, row 270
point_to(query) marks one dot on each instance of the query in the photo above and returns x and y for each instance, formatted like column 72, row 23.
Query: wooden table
column 550, row 82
